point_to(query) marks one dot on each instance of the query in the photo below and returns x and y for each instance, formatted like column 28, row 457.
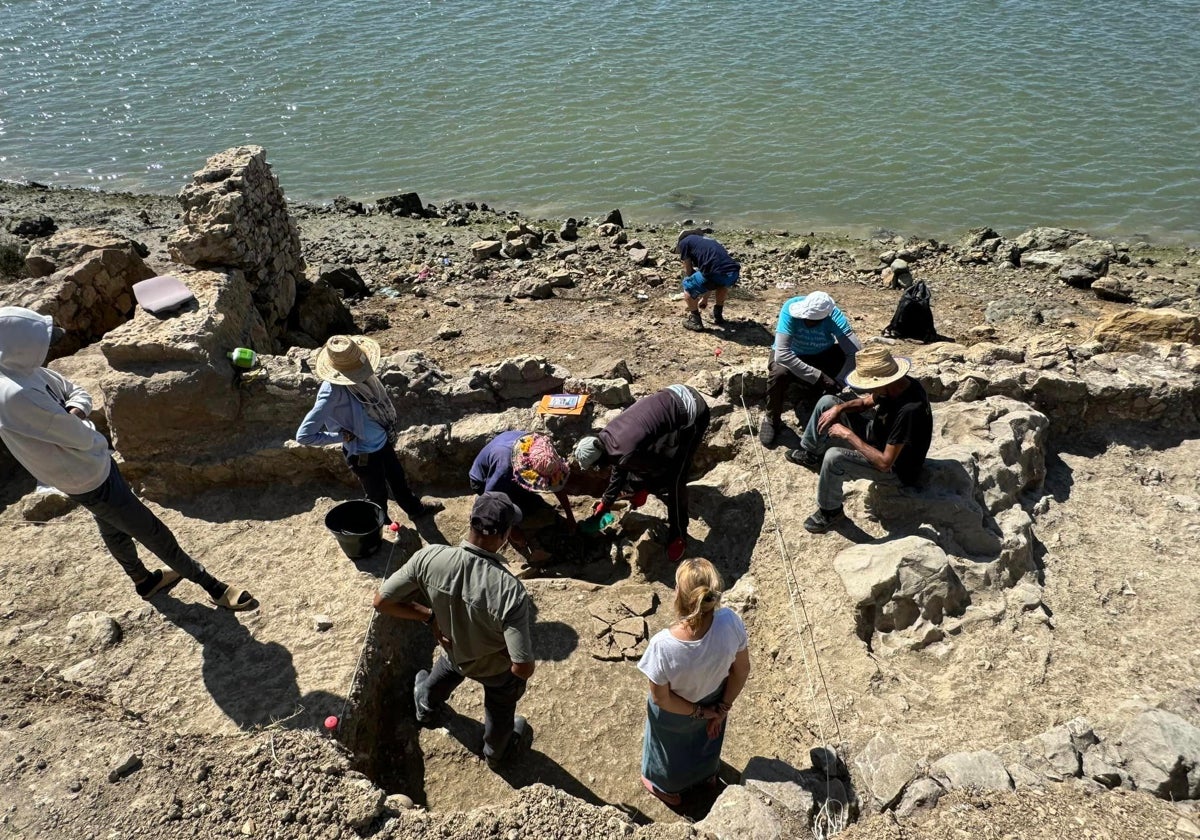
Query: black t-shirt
column 906, row 419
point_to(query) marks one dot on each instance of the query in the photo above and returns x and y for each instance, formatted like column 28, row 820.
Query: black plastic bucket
column 356, row 526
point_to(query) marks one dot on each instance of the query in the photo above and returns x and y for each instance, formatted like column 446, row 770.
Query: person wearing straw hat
column 814, row 346
column 353, row 408
column 482, row 617
column 650, row 447
column 44, row 422
column 883, row 435
column 523, row 465
column 707, row 268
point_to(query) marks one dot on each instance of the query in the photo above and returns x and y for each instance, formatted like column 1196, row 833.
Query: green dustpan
column 596, row 524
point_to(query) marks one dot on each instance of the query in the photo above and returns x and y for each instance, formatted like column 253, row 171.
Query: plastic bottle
column 243, row 357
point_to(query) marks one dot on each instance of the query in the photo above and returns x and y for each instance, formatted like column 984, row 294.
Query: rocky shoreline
column 1065, row 356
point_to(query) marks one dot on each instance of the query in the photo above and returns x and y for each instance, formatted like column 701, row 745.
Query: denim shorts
column 697, row 284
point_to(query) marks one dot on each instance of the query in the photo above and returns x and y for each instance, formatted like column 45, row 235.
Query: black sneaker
column 692, row 322
column 429, row 508
column 823, row 520
column 423, row 714
column 806, row 459
column 767, row 430
column 518, row 745
column 719, row 316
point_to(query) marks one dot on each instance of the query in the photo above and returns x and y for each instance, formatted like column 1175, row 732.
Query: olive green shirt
column 479, row 604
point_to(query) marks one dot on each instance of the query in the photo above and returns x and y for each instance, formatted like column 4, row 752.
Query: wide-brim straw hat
column 347, row 359
column 537, row 466
column 874, row 367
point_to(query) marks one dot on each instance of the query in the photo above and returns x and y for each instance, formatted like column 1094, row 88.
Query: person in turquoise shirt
column 814, row 346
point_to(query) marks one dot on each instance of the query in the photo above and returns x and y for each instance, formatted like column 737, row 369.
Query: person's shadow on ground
column 530, row 766
column 254, row 683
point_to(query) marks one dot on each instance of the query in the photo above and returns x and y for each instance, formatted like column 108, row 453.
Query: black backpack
column 914, row 317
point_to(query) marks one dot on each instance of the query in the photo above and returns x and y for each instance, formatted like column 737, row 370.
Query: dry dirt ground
column 190, row 687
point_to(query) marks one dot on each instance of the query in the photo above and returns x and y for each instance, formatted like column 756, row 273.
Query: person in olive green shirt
column 481, row 615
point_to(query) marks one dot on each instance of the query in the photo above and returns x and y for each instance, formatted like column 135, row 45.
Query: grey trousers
column 123, row 518
column 840, row 464
column 500, row 696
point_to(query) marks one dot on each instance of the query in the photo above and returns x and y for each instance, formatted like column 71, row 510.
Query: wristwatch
column 430, row 619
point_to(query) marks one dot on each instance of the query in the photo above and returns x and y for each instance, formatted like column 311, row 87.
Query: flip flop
column 672, row 799
column 166, row 582
column 236, row 600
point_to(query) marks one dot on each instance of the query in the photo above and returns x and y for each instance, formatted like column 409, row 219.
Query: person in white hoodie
column 44, row 423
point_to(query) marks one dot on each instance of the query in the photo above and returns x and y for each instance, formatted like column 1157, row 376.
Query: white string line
column 794, row 594
column 366, row 638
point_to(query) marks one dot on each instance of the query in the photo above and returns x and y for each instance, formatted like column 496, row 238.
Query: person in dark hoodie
column 650, row 447
column 44, row 423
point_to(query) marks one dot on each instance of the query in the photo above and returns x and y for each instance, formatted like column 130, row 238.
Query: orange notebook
column 571, row 404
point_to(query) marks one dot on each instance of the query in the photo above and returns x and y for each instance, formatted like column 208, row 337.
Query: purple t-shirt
column 493, row 465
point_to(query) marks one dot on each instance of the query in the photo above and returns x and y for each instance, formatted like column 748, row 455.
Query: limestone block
column 897, row 584
column 748, row 382
column 920, row 795
column 740, row 815
column 524, row 377
column 320, row 313
column 1161, row 752
column 94, row 630
column 1129, row 329
column 471, row 433
column 610, row 393
column 425, row 451
column 885, row 770
column 981, row 770
column 175, row 370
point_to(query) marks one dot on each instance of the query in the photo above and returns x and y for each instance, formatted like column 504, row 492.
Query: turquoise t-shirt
column 806, row 340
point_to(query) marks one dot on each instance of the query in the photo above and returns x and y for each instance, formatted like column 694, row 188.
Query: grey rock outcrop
column 885, row 770
column 979, row 770
column 235, row 217
column 921, row 795
column 902, row 590
column 740, row 815
column 1138, row 368
column 320, row 313
column 1161, row 751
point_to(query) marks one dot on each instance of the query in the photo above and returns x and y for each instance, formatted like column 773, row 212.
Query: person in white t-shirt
column 697, row 667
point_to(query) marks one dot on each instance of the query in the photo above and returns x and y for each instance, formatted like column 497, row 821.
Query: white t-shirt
column 696, row 669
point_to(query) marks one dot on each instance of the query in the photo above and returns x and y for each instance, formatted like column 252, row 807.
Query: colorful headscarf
column 537, row 466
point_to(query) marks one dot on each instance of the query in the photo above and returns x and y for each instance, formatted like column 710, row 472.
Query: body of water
column 920, row 117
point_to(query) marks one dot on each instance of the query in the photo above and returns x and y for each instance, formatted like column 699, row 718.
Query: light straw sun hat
column 874, row 367
column 347, row 360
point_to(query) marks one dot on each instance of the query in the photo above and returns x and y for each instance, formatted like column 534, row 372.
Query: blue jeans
column 840, row 464
column 123, row 518
column 500, row 696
